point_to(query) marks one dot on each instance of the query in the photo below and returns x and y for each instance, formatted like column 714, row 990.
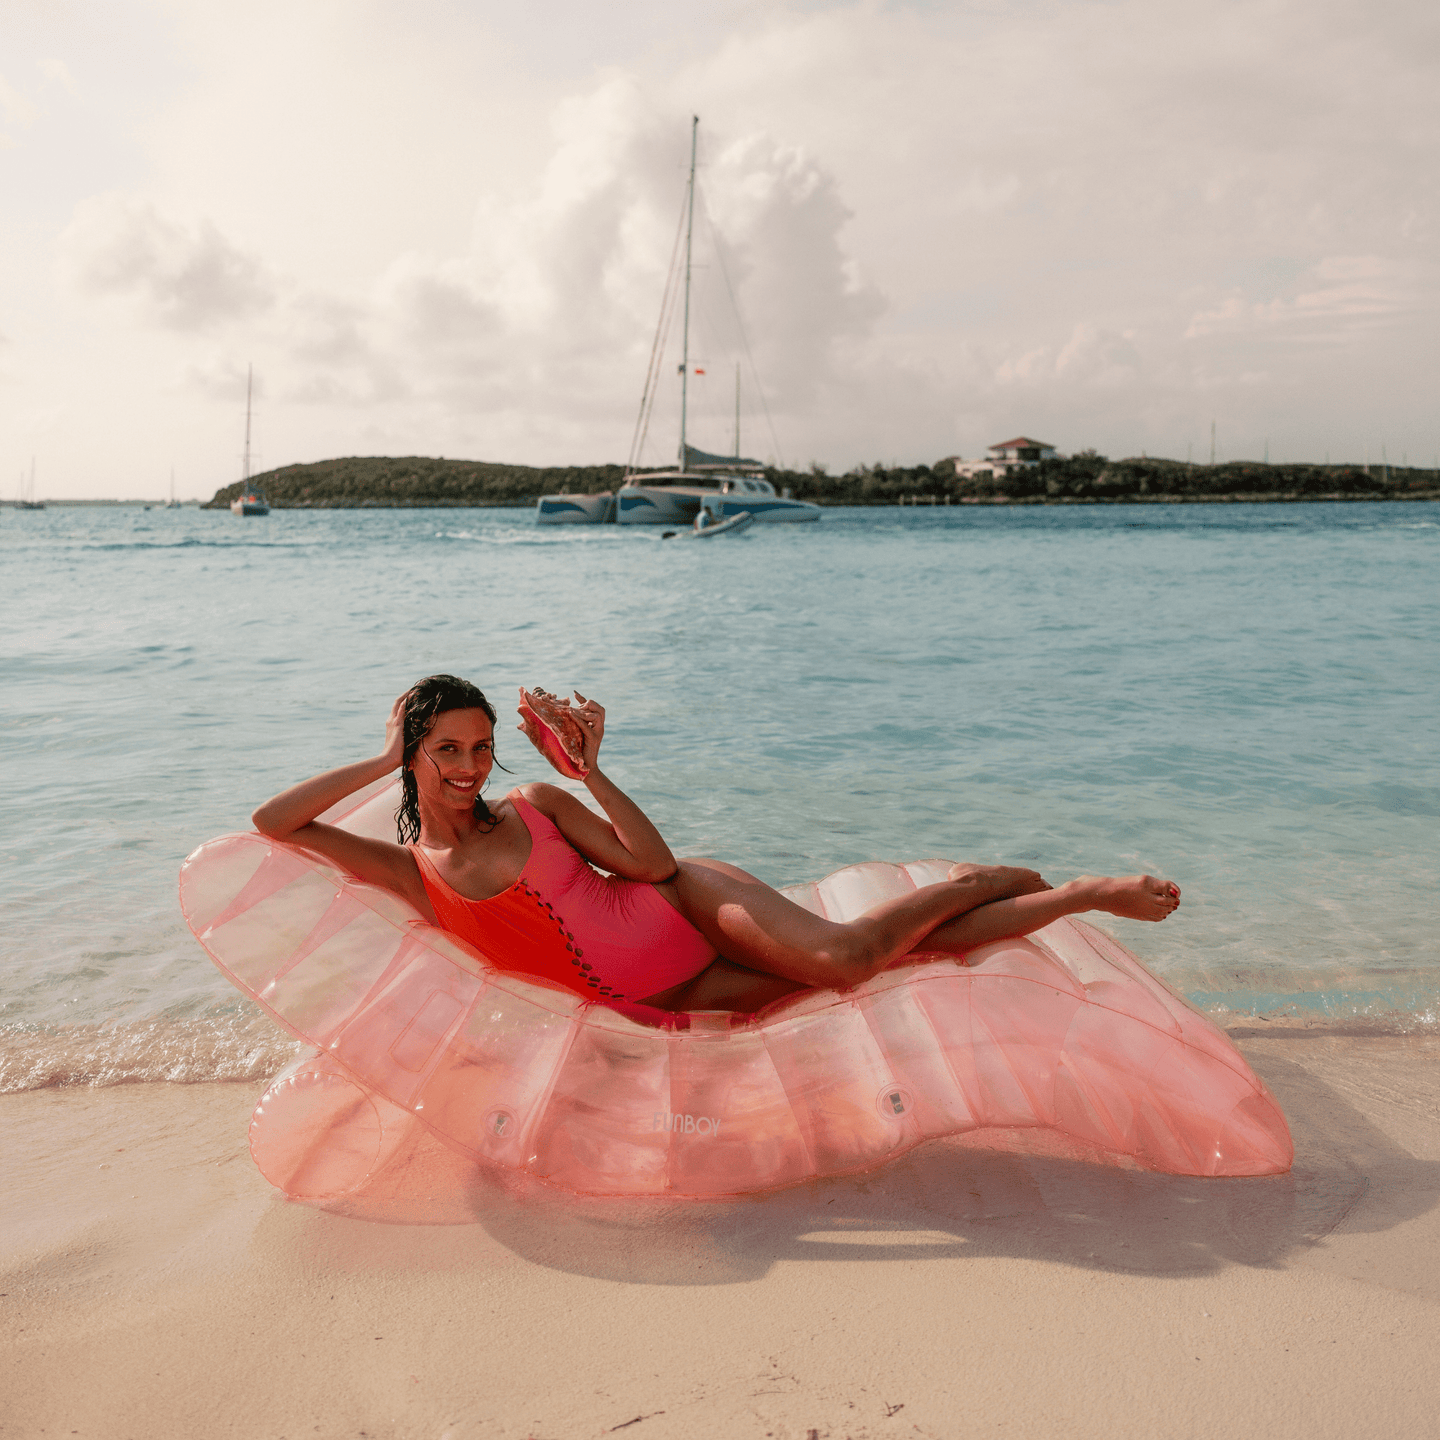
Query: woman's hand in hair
column 291, row 815
column 394, row 752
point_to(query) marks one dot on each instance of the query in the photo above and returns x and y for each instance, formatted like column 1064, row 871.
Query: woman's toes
column 1139, row 897
column 1167, row 892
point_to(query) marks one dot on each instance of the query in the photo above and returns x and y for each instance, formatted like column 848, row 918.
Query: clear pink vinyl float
column 412, row 1026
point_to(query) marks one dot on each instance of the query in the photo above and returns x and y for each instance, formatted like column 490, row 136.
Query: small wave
column 561, row 535
column 1326, row 1012
column 307, row 543
column 188, row 543
column 239, row 1044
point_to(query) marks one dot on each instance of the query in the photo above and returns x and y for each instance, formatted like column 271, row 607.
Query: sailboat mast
column 685, row 343
column 737, row 410
column 249, row 378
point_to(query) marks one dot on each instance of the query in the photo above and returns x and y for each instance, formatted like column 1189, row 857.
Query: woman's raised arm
column 290, row 816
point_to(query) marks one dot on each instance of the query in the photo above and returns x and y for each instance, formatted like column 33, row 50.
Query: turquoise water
column 1244, row 698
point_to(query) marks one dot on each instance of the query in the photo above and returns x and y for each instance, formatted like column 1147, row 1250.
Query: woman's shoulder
column 540, row 795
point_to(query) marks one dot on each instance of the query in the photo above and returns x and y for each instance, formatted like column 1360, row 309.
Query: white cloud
column 17, row 112
column 1340, row 293
column 183, row 276
column 545, row 318
column 1092, row 357
column 58, row 73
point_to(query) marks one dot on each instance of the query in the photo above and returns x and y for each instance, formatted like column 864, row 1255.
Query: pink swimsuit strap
column 552, row 859
column 550, row 862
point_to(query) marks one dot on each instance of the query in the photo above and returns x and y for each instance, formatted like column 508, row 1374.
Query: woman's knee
column 851, row 956
column 745, row 918
column 701, row 868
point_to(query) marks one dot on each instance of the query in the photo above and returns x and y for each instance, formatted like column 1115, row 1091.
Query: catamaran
column 722, row 485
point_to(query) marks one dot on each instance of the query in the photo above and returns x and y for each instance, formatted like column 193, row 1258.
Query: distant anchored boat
column 25, row 495
column 723, row 486
column 251, row 499
column 706, row 529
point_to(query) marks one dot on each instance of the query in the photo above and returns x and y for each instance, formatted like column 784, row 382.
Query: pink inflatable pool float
column 1064, row 1030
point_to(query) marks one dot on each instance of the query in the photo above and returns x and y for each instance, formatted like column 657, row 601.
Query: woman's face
column 454, row 759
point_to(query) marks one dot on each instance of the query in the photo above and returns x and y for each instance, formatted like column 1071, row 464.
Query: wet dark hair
column 425, row 703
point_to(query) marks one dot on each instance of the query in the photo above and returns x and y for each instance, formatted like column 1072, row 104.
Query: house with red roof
column 1021, row 453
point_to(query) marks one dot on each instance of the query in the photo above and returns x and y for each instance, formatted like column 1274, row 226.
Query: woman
column 517, row 880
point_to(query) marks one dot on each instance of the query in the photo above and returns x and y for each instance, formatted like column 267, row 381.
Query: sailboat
column 251, row 499
column 173, row 503
column 721, row 485
column 25, row 499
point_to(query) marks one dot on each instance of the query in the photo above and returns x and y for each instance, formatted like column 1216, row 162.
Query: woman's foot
column 1136, row 897
column 1007, row 880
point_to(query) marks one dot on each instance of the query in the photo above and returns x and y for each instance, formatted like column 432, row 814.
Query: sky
column 444, row 228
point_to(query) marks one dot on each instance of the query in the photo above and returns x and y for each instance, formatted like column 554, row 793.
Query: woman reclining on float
column 518, row 882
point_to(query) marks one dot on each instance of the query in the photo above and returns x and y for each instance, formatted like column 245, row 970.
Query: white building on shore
column 1021, row 453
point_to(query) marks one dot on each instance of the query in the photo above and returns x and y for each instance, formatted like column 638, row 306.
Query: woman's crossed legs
column 770, row 946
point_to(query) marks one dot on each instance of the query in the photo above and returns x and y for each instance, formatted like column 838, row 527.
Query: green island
column 1084, row 479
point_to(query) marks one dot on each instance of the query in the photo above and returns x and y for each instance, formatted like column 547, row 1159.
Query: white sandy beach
column 154, row 1285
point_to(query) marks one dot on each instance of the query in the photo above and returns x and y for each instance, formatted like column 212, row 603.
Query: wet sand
column 152, row 1285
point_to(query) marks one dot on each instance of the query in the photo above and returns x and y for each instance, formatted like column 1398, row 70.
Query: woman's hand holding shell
column 567, row 736
column 591, row 715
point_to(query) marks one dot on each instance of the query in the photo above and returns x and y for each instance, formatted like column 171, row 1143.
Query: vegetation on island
column 1087, row 478
column 418, row 481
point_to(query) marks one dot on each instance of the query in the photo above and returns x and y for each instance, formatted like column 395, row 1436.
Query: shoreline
column 243, row 1045
column 916, row 502
column 156, row 1286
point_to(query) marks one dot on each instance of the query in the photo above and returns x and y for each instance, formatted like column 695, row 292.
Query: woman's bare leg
column 1137, row 897
column 724, row 985
column 758, row 927
column 770, row 940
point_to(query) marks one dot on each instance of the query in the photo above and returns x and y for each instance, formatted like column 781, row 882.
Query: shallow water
column 1243, row 697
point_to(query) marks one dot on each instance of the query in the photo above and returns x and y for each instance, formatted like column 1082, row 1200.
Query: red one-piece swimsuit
column 601, row 936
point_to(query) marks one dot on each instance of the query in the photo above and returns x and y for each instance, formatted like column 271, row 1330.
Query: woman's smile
column 456, row 757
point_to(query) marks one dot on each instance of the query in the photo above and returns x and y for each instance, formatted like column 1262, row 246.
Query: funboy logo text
column 685, row 1124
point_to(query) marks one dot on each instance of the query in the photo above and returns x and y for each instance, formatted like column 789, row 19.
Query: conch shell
column 554, row 730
